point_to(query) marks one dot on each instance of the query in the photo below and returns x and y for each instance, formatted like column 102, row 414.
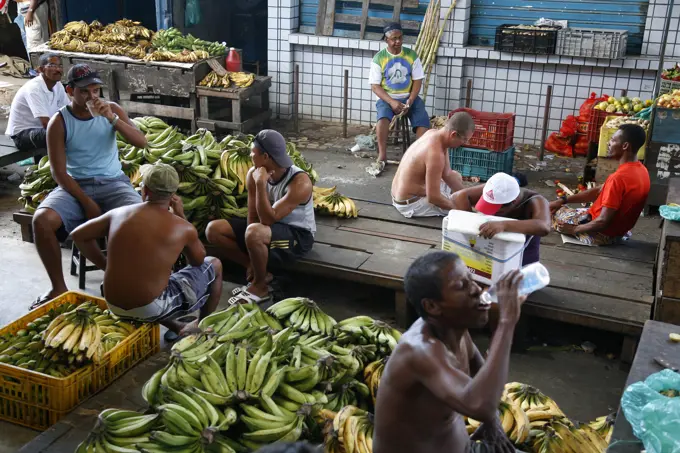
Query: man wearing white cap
column 501, row 196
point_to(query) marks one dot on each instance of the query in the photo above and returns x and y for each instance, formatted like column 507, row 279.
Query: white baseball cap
column 500, row 189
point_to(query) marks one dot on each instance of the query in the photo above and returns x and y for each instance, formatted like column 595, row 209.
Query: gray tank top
column 303, row 214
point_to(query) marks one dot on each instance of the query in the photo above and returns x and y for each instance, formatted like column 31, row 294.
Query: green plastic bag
column 192, row 13
column 655, row 418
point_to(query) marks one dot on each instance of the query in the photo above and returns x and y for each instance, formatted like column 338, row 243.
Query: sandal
column 376, row 168
column 239, row 289
column 41, row 300
column 246, row 297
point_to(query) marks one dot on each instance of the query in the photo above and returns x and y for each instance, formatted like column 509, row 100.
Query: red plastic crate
column 493, row 131
column 596, row 121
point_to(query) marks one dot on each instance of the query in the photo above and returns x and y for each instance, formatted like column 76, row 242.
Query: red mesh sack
column 558, row 144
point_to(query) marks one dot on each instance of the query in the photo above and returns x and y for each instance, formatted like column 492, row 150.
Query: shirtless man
column 436, row 375
column 144, row 242
column 424, row 181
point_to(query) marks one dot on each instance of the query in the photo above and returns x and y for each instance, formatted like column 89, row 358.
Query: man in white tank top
column 280, row 226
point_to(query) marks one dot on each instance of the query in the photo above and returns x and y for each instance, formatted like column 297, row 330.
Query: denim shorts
column 417, row 114
column 108, row 193
column 187, row 291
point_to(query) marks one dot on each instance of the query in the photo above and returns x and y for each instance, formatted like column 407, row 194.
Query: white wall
column 502, row 82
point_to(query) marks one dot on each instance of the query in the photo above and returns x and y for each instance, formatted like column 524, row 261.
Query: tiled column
column 654, row 26
column 458, row 26
column 284, row 16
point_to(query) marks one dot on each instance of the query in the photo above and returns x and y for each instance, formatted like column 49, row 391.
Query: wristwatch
column 114, row 120
column 564, row 199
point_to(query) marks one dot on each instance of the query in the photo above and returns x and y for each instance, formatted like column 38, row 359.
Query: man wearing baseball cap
column 144, row 241
column 81, row 144
column 280, row 226
column 501, row 196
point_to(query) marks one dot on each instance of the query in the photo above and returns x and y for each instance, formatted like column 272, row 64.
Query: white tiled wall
column 502, row 82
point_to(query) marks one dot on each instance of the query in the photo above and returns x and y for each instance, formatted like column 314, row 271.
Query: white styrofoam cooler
column 487, row 259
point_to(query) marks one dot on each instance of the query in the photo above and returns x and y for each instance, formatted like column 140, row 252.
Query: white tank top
column 303, row 214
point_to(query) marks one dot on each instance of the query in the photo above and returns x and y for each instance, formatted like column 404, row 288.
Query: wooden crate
column 667, row 283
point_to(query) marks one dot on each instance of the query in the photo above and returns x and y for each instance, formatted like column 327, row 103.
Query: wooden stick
column 435, row 46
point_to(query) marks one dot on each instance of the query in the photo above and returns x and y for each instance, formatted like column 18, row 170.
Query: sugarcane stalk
column 435, row 47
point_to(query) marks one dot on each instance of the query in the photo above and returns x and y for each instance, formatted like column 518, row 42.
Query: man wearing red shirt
column 617, row 204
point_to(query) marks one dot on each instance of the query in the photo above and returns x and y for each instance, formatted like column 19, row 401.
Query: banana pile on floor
column 212, row 173
column 240, row 79
column 534, row 423
column 329, row 201
column 64, row 339
column 254, row 377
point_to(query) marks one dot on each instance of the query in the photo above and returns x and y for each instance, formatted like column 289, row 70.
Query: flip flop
column 239, row 289
column 246, row 297
column 376, row 168
column 41, row 300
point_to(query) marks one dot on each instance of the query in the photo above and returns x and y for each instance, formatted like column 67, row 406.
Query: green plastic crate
column 481, row 162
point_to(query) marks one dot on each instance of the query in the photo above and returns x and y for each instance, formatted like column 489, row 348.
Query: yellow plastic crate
column 38, row 400
column 608, row 133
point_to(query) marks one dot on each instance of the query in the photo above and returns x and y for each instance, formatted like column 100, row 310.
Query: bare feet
column 46, row 297
column 250, row 276
column 190, row 328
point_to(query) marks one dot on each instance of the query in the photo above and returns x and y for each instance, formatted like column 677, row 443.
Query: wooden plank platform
column 9, row 153
column 608, row 288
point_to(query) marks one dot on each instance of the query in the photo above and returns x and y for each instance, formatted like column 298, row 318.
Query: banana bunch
column 373, row 331
column 561, row 436
column 351, row 393
column 173, row 40
column 530, row 398
column 337, row 205
column 238, row 322
column 299, row 160
column 80, row 29
column 184, row 56
column 37, row 184
column 303, row 314
column 372, row 375
column 119, row 431
column 242, row 79
column 604, row 426
column 236, row 163
column 270, row 424
column 213, row 80
column 352, row 432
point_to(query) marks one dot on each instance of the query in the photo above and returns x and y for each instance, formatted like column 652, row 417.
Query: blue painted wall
column 629, row 15
column 107, row 11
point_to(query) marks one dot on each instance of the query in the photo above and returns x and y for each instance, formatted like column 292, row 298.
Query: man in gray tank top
column 280, row 226
column 84, row 163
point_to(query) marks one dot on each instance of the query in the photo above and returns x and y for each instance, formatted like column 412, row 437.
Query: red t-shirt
column 625, row 191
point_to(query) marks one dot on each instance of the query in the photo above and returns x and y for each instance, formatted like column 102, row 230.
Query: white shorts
column 38, row 32
column 419, row 206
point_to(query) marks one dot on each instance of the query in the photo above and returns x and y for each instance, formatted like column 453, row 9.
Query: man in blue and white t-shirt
column 396, row 77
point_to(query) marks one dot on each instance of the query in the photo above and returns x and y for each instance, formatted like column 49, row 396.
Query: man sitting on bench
column 84, row 162
column 280, row 226
column 145, row 240
column 617, row 204
column 424, row 181
column 396, row 77
column 35, row 103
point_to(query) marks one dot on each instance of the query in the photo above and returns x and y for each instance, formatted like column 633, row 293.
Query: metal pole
column 345, row 105
column 296, row 98
column 546, row 117
column 659, row 70
column 468, row 94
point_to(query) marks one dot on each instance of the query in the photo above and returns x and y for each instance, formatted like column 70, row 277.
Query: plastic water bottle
column 233, row 61
column 536, row 277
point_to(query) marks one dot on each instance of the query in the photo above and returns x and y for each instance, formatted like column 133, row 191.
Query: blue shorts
column 416, row 113
column 187, row 291
column 108, row 193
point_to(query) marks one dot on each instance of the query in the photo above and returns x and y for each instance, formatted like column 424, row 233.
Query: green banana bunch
column 303, row 314
column 270, row 425
column 373, row 331
column 120, row 431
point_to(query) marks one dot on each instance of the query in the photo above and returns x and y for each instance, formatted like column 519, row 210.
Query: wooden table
column 9, row 153
column 158, row 88
column 667, row 284
column 606, row 288
column 240, row 118
column 653, row 343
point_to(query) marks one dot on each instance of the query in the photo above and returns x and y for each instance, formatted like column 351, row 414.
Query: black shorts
column 288, row 243
column 31, row 139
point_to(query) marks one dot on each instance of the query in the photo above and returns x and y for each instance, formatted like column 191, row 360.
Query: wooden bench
column 9, row 153
column 606, row 288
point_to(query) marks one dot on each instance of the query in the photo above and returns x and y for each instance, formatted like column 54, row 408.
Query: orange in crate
column 38, row 400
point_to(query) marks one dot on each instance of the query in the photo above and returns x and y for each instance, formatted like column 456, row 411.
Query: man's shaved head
column 461, row 123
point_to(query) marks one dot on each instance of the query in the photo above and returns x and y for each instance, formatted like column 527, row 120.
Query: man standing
column 81, row 144
column 396, row 77
column 144, row 241
column 436, row 375
column 36, row 22
column 617, row 204
column 35, row 103
column 501, row 196
column 424, row 181
column 280, row 226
